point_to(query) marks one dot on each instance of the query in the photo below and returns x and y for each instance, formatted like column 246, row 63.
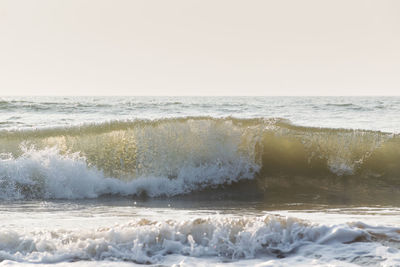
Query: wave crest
column 177, row 156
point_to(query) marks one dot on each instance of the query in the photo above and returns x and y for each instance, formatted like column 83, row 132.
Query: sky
column 203, row 47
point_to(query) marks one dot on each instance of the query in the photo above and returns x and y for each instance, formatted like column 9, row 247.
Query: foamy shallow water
column 111, row 232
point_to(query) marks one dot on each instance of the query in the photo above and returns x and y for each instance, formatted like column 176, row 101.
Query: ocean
column 200, row 181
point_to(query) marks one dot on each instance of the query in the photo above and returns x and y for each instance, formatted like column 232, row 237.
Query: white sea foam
column 218, row 239
column 48, row 174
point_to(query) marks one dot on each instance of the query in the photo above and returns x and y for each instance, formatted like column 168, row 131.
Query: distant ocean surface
column 200, row 181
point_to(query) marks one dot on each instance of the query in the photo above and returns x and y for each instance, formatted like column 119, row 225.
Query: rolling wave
column 150, row 242
column 170, row 157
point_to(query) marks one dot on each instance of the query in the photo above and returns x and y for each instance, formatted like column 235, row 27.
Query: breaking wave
column 150, row 242
column 170, row 157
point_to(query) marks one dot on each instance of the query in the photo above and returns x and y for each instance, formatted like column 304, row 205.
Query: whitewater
column 200, row 181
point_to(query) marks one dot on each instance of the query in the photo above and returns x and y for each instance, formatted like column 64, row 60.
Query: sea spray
column 177, row 156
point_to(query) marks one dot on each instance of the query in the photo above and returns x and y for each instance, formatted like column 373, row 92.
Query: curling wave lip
column 170, row 157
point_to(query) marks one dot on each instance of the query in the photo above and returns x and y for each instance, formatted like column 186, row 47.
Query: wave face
column 150, row 242
column 170, row 157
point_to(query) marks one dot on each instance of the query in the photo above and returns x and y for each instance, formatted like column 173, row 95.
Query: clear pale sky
column 205, row 47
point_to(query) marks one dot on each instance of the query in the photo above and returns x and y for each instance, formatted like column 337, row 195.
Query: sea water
column 186, row 181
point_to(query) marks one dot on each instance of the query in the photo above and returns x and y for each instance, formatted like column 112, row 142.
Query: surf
column 169, row 157
column 231, row 239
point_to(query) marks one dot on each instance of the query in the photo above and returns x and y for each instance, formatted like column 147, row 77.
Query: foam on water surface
column 212, row 239
column 148, row 232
